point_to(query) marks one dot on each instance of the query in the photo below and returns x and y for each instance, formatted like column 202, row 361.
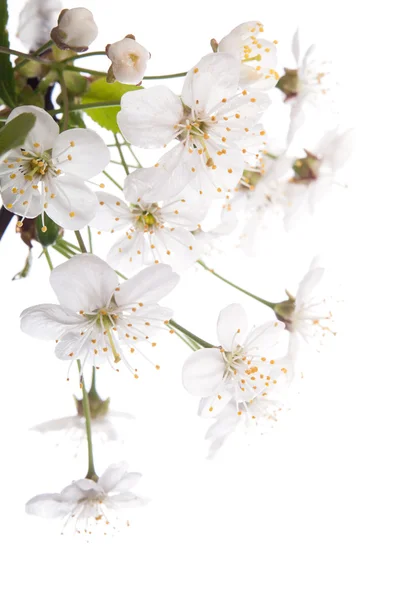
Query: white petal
column 203, row 372
column 112, row 213
column 126, row 500
column 87, row 152
column 84, row 282
column 71, row 346
column 148, row 286
column 215, row 77
column 74, row 205
column 29, row 204
column 48, row 321
column 127, row 482
column 50, row 506
column 44, row 131
column 232, row 326
column 147, row 117
column 127, row 254
column 264, row 337
column 212, row 406
column 296, row 46
column 176, row 247
column 308, row 285
column 112, row 475
column 63, row 424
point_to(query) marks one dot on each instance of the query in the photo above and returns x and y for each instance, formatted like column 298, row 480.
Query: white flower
column 304, row 85
column 104, row 427
column 308, row 315
column 97, row 318
column 89, row 506
column 315, row 173
column 156, row 222
column 48, row 174
column 76, row 29
column 36, row 20
column 257, row 56
column 267, row 199
column 129, row 61
column 211, row 119
column 241, row 369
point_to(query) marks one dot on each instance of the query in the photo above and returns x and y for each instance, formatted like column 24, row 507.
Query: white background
column 310, row 512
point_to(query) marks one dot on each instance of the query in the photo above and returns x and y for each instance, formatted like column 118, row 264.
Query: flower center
column 146, row 220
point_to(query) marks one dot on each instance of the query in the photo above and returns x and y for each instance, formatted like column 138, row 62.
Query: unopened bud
column 129, row 61
column 289, row 83
column 306, row 169
column 47, row 232
column 76, row 29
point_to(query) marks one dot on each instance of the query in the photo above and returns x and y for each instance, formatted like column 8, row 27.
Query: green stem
column 190, row 335
column 113, row 180
column 171, row 76
column 63, row 251
column 116, row 162
column 89, row 232
column 91, row 473
column 80, row 241
column 122, row 157
column 120, row 274
column 270, row 304
column 139, row 165
column 37, row 52
column 73, row 58
column 4, row 50
column 48, row 258
column 65, row 101
column 189, row 342
column 75, row 107
column 68, row 245
column 82, row 70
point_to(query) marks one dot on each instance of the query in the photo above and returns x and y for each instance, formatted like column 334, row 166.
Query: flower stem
column 4, row 50
column 190, row 335
column 65, row 101
column 266, row 302
column 80, row 241
column 89, row 232
column 171, row 76
column 37, row 52
column 68, row 246
column 91, row 473
column 120, row 274
column 82, row 70
column 86, row 55
column 189, row 342
column 122, row 157
column 113, row 180
column 63, row 251
column 48, row 258
column 75, row 107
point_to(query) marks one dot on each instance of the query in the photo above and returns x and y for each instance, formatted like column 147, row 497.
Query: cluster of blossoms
column 215, row 158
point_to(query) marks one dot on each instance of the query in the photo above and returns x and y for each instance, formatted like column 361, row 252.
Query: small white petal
column 74, row 204
column 48, row 321
column 112, row 213
column 148, row 286
column 129, row 60
column 44, row 131
column 88, row 156
column 147, row 117
column 232, row 326
column 112, row 475
column 203, row 372
column 84, row 283
column 50, row 506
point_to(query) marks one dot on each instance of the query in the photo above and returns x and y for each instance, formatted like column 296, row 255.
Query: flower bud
column 76, row 29
column 47, row 232
column 306, row 169
column 289, row 83
column 284, row 310
column 129, row 61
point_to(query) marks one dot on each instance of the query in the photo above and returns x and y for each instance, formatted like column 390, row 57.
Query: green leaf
column 101, row 91
column 14, row 133
column 7, row 82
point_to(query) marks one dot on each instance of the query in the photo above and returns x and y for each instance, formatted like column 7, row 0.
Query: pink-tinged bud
column 76, row 29
column 129, row 61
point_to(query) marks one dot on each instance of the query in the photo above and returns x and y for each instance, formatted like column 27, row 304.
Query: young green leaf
column 14, row 133
column 101, row 91
column 7, row 82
